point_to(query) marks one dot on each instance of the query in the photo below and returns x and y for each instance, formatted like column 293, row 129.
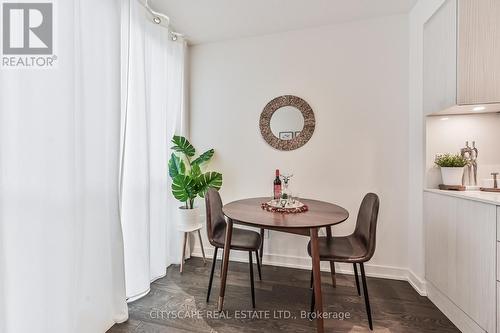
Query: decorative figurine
column 470, row 154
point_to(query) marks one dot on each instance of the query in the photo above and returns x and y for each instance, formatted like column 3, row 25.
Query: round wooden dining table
column 320, row 214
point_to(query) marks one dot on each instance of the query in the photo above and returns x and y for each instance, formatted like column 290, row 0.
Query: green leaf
column 195, row 171
column 187, row 179
column 183, row 188
column 182, row 145
column 208, row 180
column 205, row 157
column 176, row 166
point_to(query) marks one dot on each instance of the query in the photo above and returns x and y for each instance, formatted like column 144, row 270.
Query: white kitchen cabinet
column 461, row 255
column 498, row 261
column 440, row 59
column 498, row 224
column 440, row 245
column 498, row 307
column 462, row 57
column 478, row 55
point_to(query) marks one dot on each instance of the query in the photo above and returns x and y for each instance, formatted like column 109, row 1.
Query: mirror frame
column 305, row 134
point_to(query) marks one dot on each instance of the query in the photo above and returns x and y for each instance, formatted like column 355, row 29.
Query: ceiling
column 203, row 21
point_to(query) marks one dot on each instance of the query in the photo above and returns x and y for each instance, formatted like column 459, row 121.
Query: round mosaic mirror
column 287, row 122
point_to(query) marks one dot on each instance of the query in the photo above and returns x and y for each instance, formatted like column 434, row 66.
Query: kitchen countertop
column 486, row 197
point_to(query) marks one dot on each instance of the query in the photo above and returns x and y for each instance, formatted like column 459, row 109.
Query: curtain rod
column 158, row 18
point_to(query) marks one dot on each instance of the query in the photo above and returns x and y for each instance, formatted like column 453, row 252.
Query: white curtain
column 61, row 248
column 153, row 104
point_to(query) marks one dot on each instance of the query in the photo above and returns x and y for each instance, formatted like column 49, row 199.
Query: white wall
column 420, row 13
column 447, row 134
column 355, row 77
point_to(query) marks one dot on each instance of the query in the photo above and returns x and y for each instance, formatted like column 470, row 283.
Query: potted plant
column 188, row 180
column 452, row 168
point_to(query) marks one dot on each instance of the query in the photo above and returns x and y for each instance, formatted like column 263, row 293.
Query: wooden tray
column 489, row 189
column 452, row 187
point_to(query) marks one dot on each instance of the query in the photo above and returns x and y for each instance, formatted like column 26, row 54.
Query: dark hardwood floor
column 396, row 306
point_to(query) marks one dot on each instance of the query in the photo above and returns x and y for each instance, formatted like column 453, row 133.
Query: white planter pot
column 188, row 219
column 452, row 176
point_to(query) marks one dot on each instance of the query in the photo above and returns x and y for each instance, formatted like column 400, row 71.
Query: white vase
column 452, row 176
column 188, row 219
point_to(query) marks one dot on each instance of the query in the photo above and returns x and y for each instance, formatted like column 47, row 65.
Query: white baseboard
column 385, row 272
column 463, row 322
column 417, row 283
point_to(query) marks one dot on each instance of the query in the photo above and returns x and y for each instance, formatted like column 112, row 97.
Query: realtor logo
column 27, row 28
column 27, row 34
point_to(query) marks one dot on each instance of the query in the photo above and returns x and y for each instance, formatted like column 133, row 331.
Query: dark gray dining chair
column 242, row 239
column 356, row 248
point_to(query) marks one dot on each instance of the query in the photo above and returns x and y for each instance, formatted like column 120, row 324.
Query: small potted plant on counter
column 452, row 168
column 188, row 180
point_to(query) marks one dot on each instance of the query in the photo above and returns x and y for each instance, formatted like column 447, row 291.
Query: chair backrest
column 366, row 225
column 216, row 222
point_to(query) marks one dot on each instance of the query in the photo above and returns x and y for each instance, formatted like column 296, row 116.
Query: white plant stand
column 186, row 232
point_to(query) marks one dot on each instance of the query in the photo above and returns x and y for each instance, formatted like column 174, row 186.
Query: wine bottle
column 277, row 186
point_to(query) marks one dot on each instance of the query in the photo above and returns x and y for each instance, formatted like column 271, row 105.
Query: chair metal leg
column 332, row 273
column 261, row 253
column 212, row 274
column 357, row 278
column 225, row 266
column 367, row 301
column 332, row 264
column 183, row 251
column 312, row 296
column 251, row 278
column 221, row 265
column 202, row 249
column 258, row 264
